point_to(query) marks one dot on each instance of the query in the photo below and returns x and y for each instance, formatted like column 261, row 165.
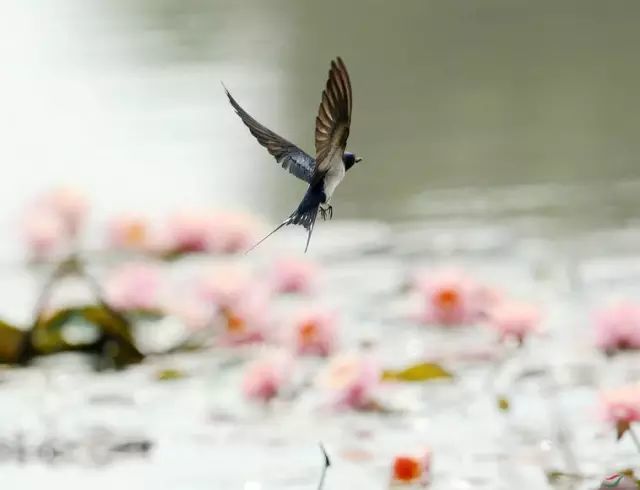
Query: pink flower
column 411, row 469
column 44, row 232
column 449, row 297
column 246, row 321
column 206, row 231
column 191, row 310
column 621, row 404
column 190, row 231
column 617, row 327
column 352, row 380
column 134, row 286
column 54, row 220
column 294, row 275
column 129, row 232
column 242, row 304
column 225, row 286
column 512, row 319
column 263, row 379
column 619, row 481
column 233, row 232
column 315, row 333
column 72, row 206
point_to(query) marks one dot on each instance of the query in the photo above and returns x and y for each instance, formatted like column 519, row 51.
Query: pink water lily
column 226, row 285
column 52, row 222
column 247, row 320
column 45, row 233
column 617, row 327
column 242, row 325
column 514, row 320
column 294, row 275
column 186, row 306
column 264, row 378
column 189, row 231
column 134, row 286
column 352, row 381
column 315, row 332
column 619, row 481
column 449, row 297
column 71, row 204
column 621, row 406
column 232, row 232
column 129, row 232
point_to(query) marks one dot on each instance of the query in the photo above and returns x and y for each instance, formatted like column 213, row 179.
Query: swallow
column 324, row 172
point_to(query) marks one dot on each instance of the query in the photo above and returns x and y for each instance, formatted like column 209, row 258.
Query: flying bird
column 324, row 172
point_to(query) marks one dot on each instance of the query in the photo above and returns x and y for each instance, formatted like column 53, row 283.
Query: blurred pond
column 126, row 96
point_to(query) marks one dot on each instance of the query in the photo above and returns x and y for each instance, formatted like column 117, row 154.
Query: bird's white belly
column 333, row 177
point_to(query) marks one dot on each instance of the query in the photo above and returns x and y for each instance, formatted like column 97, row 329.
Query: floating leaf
column 170, row 374
column 13, row 342
column 503, row 404
column 554, row 477
column 425, row 371
column 628, row 472
column 115, row 343
column 46, row 335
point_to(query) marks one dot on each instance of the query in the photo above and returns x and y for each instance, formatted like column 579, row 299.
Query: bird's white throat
column 334, row 176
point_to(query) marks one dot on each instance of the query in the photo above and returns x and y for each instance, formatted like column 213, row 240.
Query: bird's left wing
column 334, row 119
column 286, row 153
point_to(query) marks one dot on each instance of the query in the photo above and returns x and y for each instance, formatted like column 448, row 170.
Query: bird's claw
column 324, row 212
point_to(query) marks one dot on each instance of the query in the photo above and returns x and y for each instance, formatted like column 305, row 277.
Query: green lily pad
column 12, row 343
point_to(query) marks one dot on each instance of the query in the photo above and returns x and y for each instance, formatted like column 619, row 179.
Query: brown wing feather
column 334, row 117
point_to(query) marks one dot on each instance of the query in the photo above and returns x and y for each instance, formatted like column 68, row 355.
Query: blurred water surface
column 124, row 97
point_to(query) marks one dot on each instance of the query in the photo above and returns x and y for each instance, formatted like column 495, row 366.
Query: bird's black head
column 349, row 159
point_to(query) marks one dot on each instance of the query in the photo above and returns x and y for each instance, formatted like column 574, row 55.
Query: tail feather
column 309, row 226
column 306, row 219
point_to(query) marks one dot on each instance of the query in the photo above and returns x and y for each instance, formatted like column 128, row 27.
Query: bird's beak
column 358, row 159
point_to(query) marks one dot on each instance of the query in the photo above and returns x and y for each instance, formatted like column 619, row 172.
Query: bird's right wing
column 334, row 119
column 286, row 153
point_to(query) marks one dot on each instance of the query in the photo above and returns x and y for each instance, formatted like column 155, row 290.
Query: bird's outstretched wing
column 334, row 119
column 286, row 153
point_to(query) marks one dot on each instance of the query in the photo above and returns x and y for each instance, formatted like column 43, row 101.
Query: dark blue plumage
column 326, row 171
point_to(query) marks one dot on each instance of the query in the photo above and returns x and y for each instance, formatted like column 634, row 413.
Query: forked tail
column 305, row 218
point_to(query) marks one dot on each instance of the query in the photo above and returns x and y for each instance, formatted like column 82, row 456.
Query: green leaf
column 13, row 342
column 170, row 374
column 627, row 472
column 115, row 344
column 425, row 371
column 554, row 477
column 117, row 339
column 46, row 335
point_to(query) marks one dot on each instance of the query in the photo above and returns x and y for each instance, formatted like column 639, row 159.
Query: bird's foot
column 326, row 211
